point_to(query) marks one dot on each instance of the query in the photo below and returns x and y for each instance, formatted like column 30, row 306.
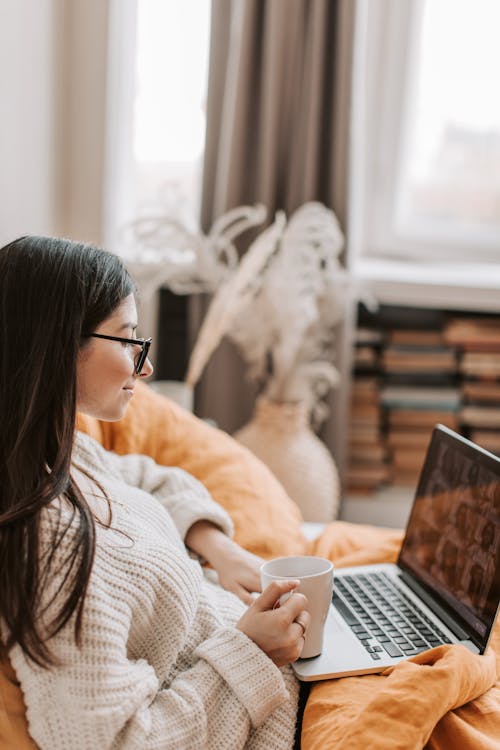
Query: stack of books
column 412, row 412
column 415, row 368
column 419, row 374
column 367, row 467
column 418, row 357
column 478, row 343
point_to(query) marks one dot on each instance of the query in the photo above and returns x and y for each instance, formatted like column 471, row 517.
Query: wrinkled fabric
column 444, row 699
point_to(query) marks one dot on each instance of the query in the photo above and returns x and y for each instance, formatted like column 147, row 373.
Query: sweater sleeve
column 100, row 696
column 184, row 497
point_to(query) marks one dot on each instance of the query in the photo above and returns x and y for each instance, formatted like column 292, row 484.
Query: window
column 426, row 129
column 158, row 70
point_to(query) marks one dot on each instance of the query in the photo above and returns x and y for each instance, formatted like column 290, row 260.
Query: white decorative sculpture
column 280, row 307
column 161, row 252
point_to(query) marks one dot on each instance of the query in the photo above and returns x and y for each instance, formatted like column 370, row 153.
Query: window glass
column 425, row 164
column 450, row 169
column 157, row 85
column 169, row 112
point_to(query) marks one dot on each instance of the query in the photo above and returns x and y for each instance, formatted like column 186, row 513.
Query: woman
column 116, row 636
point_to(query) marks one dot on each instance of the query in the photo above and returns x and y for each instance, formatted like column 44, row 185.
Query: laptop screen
column 452, row 542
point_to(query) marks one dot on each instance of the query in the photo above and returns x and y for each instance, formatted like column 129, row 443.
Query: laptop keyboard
column 383, row 618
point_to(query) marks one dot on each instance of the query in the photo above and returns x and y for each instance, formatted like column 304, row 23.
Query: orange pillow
column 267, row 522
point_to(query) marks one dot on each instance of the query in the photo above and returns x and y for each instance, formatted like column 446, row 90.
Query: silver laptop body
column 445, row 586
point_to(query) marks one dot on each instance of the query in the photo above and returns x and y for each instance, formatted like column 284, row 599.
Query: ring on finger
column 299, row 622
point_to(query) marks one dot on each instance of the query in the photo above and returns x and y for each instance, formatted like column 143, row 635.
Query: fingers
column 272, row 593
column 292, row 645
column 247, row 597
column 251, row 582
column 242, row 592
column 278, row 631
column 296, row 607
column 288, row 655
column 303, row 620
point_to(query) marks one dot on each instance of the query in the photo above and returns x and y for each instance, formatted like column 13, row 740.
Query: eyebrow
column 133, row 326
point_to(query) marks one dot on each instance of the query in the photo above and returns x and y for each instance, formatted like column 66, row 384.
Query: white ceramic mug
column 315, row 575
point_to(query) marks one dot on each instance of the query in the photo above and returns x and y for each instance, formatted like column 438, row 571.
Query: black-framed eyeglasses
column 143, row 343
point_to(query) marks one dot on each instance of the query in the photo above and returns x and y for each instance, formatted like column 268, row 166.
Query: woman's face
column 106, row 369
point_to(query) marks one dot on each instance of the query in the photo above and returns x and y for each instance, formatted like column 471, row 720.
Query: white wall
column 28, row 159
column 52, row 117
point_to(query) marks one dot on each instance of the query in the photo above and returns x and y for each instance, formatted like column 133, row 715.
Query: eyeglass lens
column 142, row 356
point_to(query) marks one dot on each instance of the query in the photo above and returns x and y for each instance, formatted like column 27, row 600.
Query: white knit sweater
column 160, row 665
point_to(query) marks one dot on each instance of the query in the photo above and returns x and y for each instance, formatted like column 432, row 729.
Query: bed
column 444, row 699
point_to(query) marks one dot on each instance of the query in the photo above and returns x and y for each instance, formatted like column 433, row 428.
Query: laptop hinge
column 436, row 608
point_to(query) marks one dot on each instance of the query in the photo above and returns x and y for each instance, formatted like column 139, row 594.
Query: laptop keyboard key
column 392, row 649
column 408, row 648
column 344, row 610
column 363, row 635
column 416, row 638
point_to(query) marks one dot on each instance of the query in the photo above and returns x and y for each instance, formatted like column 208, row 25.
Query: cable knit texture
column 160, row 663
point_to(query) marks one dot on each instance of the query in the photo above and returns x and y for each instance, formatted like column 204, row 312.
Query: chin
column 114, row 418
column 110, row 414
column 116, row 414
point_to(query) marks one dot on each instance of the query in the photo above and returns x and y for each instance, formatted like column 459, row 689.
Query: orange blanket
column 445, row 699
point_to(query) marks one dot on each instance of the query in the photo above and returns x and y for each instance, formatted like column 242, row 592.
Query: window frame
column 124, row 201
column 119, row 119
column 384, row 63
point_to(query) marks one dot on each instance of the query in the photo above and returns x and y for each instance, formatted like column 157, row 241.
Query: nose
column 147, row 369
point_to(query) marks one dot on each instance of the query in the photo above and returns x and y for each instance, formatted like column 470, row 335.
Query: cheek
column 117, row 372
column 101, row 371
column 112, row 371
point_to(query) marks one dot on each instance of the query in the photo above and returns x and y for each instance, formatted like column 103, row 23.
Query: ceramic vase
column 279, row 434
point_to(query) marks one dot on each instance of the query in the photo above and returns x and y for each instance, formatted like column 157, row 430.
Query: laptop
column 445, row 586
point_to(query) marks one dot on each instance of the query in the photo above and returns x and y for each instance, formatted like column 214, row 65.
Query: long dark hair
column 52, row 291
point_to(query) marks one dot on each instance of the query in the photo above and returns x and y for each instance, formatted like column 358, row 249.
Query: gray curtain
column 277, row 119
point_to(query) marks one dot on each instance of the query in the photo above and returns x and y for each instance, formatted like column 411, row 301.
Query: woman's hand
column 279, row 632
column 238, row 570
